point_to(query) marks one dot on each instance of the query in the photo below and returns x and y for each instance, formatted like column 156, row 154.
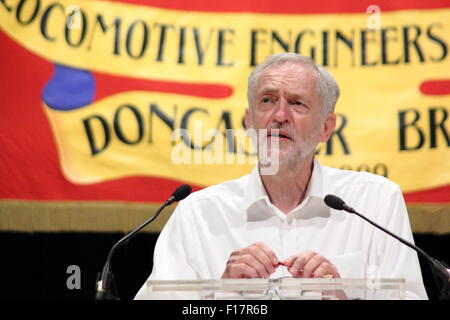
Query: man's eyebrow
column 274, row 90
column 268, row 90
column 298, row 96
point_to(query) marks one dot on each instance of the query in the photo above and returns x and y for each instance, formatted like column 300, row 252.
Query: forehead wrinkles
column 293, row 78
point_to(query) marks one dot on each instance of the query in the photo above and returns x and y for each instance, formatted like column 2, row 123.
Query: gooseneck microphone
column 440, row 270
column 106, row 279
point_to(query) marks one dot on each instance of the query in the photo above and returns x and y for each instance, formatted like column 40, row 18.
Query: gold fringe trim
column 86, row 216
column 430, row 218
column 91, row 216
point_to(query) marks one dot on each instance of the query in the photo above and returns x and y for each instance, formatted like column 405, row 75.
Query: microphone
column 440, row 271
column 337, row 203
column 179, row 194
column 104, row 281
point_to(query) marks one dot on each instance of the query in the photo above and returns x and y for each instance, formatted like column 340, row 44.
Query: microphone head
column 181, row 192
column 334, row 202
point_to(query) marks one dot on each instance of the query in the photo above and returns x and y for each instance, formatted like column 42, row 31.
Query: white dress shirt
column 209, row 224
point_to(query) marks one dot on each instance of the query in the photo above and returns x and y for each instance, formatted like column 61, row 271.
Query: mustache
column 282, row 126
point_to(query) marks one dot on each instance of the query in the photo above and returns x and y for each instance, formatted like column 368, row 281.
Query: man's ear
column 247, row 119
column 327, row 127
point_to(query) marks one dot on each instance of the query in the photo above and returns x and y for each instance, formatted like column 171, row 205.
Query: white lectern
column 278, row 289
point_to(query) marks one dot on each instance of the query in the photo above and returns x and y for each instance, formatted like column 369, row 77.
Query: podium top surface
column 280, row 288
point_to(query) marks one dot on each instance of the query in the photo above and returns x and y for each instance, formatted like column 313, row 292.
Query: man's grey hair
column 328, row 88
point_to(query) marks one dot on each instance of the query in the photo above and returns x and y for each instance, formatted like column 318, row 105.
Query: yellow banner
column 387, row 124
column 124, row 135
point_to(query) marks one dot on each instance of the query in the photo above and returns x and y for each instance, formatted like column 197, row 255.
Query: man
column 277, row 225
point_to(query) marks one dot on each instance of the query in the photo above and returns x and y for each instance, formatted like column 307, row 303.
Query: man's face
column 286, row 97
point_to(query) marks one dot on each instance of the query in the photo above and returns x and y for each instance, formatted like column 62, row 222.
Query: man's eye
column 265, row 100
column 298, row 103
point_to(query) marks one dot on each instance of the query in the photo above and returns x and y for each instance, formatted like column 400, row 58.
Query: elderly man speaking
column 277, row 225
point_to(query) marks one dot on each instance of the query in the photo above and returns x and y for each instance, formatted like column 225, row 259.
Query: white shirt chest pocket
column 351, row 265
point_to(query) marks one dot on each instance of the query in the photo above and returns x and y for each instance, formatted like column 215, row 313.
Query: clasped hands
column 259, row 261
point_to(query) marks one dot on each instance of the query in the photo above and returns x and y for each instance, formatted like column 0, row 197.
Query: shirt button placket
column 287, row 243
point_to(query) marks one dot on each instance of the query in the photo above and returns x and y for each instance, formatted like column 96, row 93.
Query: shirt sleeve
column 392, row 258
column 170, row 259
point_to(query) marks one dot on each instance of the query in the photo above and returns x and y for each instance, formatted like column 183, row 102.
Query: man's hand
column 310, row 265
column 254, row 261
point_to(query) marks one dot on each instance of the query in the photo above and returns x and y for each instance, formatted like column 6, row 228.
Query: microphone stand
column 440, row 270
column 106, row 279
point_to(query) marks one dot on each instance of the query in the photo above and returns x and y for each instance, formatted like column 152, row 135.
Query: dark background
column 34, row 265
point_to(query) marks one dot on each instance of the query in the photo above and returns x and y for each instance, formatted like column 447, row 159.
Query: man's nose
column 281, row 112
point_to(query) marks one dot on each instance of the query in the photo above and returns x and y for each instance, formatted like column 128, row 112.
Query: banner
column 125, row 100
